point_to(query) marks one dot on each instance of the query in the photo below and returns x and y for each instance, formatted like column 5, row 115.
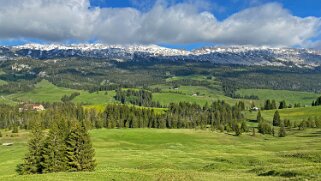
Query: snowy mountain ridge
column 239, row 55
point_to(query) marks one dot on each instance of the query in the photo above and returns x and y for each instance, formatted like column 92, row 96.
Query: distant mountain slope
column 239, row 55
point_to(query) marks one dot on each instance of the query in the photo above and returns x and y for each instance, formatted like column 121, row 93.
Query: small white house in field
column 38, row 107
column 255, row 109
column 32, row 107
column 7, row 144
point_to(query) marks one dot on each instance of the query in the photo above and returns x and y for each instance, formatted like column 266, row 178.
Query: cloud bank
column 64, row 20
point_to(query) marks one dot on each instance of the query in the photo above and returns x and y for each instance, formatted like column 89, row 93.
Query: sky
column 184, row 24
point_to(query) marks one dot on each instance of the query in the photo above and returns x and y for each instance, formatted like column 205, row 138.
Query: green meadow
column 45, row 91
column 291, row 97
column 163, row 154
column 193, row 94
column 293, row 114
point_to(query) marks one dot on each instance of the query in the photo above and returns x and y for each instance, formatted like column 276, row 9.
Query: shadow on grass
column 279, row 173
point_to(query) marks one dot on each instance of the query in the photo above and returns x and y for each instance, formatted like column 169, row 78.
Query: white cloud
column 268, row 25
column 189, row 22
column 45, row 19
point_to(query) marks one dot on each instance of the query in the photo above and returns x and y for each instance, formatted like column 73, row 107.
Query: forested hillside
column 61, row 101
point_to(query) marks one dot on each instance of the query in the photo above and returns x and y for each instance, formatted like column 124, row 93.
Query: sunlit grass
column 163, row 154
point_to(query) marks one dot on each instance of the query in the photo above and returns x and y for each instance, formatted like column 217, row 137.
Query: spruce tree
column 244, row 127
column 273, row 104
column 87, row 152
column 282, row 105
column 33, row 161
column 282, row 132
column 259, row 117
column 236, row 128
column 73, row 149
column 54, row 151
column 267, row 105
column 276, row 118
column 80, row 153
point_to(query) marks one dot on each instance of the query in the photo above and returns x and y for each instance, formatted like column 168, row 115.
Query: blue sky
column 172, row 23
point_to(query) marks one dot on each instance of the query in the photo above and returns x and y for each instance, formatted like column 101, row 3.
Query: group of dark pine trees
column 265, row 127
column 66, row 147
column 219, row 115
column 140, row 97
column 271, row 104
column 317, row 102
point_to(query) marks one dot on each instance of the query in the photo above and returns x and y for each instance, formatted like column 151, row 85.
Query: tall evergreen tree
column 80, row 153
column 273, row 104
column 282, row 105
column 54, row 151
column 236, row 128
column 32, row 161
column 259, row 117
column 317, row 102
column 268, row 105
column 276, row 118
column 282, row 132
column 244, row 127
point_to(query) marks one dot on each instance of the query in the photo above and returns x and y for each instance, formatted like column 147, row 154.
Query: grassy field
column 150, row 154
column 45, row 91
column 193, row 94
column 291, row 97
column 293, row 114
column 213, row 80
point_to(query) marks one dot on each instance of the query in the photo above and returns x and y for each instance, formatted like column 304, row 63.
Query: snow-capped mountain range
column 240, row 55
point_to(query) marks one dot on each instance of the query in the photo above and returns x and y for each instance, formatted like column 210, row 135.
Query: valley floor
column 163, row 154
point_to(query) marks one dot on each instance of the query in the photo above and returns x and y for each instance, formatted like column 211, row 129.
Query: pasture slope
column 45, row 91
column 291, row 97
column 293, row 114
column 163, row 154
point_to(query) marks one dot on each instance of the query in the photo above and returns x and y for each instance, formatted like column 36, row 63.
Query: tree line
column 67, row 98
column 271, row 104
column 218, row 115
